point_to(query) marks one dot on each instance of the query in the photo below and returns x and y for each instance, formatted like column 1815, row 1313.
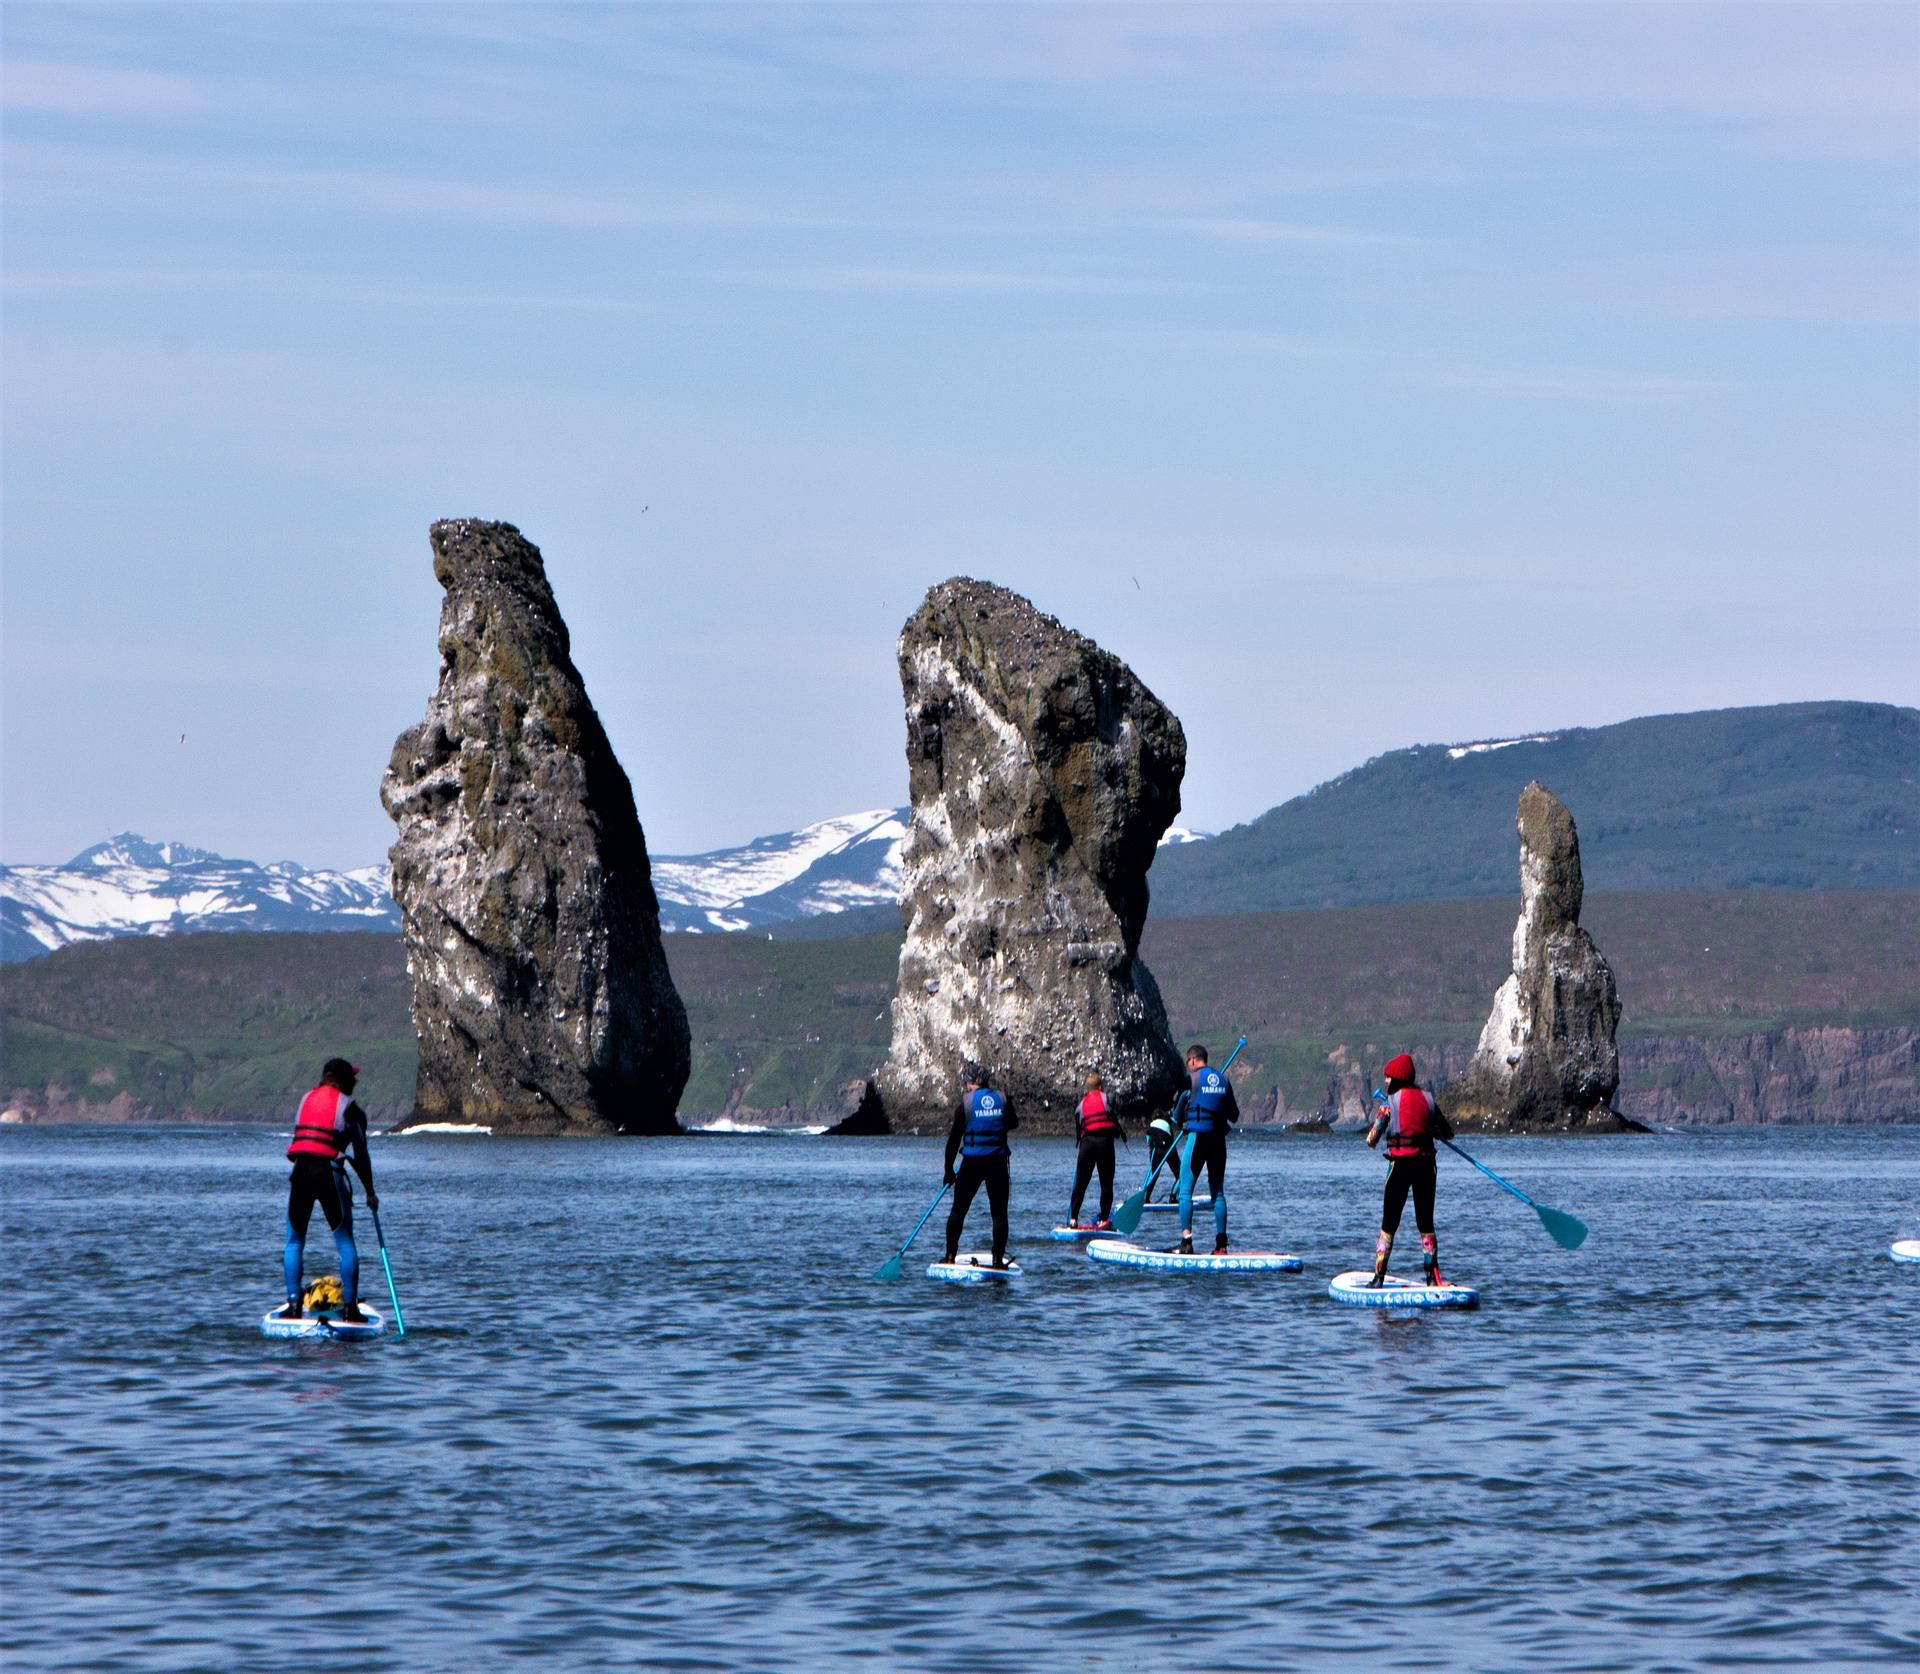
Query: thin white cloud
column 284, row 285
column 89, row 90
column 1580, row 383
column 929, row 279
column 1850, row 72
column 1396, row 364
column 199, row 185
column 1253, row 230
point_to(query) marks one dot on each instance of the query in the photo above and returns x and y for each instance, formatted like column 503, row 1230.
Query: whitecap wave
column 437, row 1127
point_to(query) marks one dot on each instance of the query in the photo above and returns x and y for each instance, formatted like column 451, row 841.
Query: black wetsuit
column 1095, row 1153
column 1165, row 1142
column 1410, row 1169
column 1211, row 1110
column 324, row 1181
column 970, row 1172
column 1413, row 1174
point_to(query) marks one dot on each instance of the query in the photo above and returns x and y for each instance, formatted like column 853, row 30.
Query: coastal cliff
column 1787, row 1006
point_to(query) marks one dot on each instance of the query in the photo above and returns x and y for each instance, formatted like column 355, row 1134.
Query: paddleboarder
column 1410, row 1122
column 1211, row 1109
column 1163, row 1134
column 1098, row 1127
column 978, row 1138
column 329, row 1130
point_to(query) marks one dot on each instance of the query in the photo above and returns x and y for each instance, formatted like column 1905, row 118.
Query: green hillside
column 1805, row 796
column 237, row 1025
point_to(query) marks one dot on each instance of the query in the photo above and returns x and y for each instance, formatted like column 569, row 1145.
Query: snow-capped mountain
column 128, row 886
column 852, row 861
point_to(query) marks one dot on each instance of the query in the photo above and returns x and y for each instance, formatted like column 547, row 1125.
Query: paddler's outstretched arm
column 953, row 1139
column 1382, row 1114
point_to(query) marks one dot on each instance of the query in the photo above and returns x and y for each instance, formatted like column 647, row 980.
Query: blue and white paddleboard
column 1120, row 1253
column 1907, row 1249
column 322, row 1327
column 1359, row 1290
column 1174, row 1208
column 973, row 1267
column 1074, row 1234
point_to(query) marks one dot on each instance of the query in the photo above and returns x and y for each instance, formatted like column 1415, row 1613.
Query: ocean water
column 653, row 1412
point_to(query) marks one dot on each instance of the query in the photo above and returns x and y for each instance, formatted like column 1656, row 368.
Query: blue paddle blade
column 889, row 1269
column 1564, row 1229
column 1126, row 1219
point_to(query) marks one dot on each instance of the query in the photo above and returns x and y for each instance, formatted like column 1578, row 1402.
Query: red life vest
column 1095, row 1119
column 320, row 1129
column 1411, row 1134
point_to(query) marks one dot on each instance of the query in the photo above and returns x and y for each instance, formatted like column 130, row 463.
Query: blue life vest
column 1204, row 1109
column 985, row 1134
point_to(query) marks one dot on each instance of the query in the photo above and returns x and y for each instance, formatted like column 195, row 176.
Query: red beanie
column 1399, row 1069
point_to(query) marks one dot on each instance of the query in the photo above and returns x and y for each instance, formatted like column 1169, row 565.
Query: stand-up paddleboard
column 1907, row 1249
column 1359, row 1290
column 1120, row 1253
column 972, row 1267
column 323, row 1326
column 1064, row 1234
column 1173, row 1208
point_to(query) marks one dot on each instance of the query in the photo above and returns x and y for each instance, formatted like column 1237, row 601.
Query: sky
column 1362, row 375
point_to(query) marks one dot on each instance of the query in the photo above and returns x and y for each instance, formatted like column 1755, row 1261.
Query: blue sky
column 1364, row 375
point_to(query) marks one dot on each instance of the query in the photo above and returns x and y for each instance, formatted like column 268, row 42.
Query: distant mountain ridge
column 1793, row 796
column 833, row 866
column 1789, row 796
column 837, row 873
column 128, row 886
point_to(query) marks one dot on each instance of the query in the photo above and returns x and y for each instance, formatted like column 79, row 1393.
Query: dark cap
column 338, row 1069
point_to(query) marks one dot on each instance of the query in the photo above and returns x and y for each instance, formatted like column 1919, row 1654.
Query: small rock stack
column 1546, row 1057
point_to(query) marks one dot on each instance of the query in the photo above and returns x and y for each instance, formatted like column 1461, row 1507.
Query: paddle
column 1562, row 1228
column 1566, row 1231
column 890, row 1269
column 1126, row 1219
column 399, row 1319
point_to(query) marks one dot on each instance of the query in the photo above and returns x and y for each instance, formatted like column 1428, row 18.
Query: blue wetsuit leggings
column 1210, row 1153
column 311, row 1182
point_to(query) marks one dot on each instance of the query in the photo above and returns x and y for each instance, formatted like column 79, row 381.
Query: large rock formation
column 1042, row 775
column 541, row 993
column 1546, row 1057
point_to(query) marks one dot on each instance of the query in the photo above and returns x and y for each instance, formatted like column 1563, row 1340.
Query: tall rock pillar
column 541, row 993
column 1546, row 1057
column 1043, row 774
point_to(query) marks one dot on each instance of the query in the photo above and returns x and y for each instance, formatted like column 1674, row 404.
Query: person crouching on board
column 1163, row 1134
column 1099, row 1127
column 979, row 1138
column 1410, row 1122
column 1211, row 1110
column 328, row 1126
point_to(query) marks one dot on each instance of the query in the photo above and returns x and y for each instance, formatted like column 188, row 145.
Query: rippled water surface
column 652, row 1411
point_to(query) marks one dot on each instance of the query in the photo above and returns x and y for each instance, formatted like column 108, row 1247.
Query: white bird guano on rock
column 541, row 993
column 1546, row 1057
column 1043, row 774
